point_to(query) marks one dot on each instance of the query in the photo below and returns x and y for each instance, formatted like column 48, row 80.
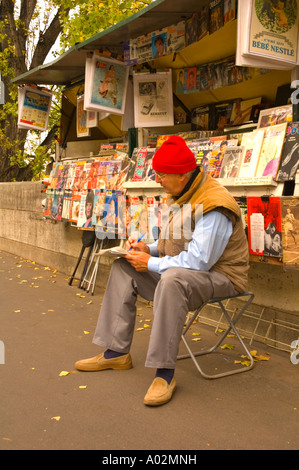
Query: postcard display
column 95, row 194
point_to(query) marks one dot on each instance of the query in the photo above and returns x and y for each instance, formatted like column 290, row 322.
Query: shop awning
column 70, row 66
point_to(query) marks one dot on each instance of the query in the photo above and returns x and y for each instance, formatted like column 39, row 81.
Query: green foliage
column 85, row 19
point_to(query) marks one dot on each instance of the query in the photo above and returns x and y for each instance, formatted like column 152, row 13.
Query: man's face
column 172, row 184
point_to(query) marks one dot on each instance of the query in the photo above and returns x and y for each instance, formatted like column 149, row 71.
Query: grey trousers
column 174, row 294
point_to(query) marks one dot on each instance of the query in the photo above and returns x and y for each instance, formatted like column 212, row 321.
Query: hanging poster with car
column 153, row 99
column 106, row 83
column 33, row 108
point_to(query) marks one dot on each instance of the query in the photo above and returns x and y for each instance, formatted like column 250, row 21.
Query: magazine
column 252, row 144
column 270, row 154
column 290, row 230
column 264, row 223
column 216, row 15
column 289, row 162
column 116, row 251
column 231, row 162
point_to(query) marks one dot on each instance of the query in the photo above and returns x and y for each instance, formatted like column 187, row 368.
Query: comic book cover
column 75, row 207
column 200, row 117
column 231, row 162
column 206, row 148
column 216, row 157
column 290, row 230
column 86, row 209
column 113, row 174
column 270, row 154
column 99, row 207
column 176, row 37
column 47, row 212
column 139, row 167
column 203, row 27
column 133, row 164
column 229, row 10
column 57, row 204
column 67, row 202
column 54, row 176
column 192, row 29
column 124, row 218
column 111, row 212
column 78, row 175
column 289, row 162
column 252, row 144
column 264, row 226
column 138, row 217
column 216, row 15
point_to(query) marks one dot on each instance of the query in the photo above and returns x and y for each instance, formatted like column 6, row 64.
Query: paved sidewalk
column 46, row 325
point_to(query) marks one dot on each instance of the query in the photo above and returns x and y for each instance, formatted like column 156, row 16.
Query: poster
column 82, row 129
column 290, row 230
column 153, row 99
column 106, row 83
column 264, row 224
column 273, row 30
column 33, row 108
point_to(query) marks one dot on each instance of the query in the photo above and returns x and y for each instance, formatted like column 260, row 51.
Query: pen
column 139, row 239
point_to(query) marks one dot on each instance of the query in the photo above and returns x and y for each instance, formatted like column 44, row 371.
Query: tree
column 28, row 31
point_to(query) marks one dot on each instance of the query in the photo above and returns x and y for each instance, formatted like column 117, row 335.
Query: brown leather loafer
column 160, row 392
column 100, row 363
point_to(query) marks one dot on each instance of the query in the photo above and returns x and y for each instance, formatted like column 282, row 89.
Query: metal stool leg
column 232, row 323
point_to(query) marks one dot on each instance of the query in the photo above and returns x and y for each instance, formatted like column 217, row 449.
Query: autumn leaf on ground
column 56, row 418
column 64, row 373
column 227, row 346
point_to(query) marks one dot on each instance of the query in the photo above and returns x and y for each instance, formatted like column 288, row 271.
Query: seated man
column 177, row 273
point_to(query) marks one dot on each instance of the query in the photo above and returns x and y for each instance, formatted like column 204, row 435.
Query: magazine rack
column 232, row 326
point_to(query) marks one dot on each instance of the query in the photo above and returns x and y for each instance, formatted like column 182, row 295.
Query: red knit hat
column 174, row 157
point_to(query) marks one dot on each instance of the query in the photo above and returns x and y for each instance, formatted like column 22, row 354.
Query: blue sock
column 110, row 354
column 166, row 374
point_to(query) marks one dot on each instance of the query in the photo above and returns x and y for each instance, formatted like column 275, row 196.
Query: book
column 200, row 117
column 216, row 15
column 241, row 111
column 273, row 116
column 289, row 162
column 270, row 154
column 231, row 162
column 229, row 10
column 290, row 230
column 264, row 224
column 67, row 201
column 115, row 251
column 252, row 144
column 204, row 18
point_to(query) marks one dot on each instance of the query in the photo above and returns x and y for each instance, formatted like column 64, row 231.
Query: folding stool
column 232, row 326
column 88, row 239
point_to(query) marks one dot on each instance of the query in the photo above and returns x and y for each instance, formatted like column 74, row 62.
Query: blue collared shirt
column 209, row 239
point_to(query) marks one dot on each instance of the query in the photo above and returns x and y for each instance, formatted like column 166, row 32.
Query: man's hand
column 139, row 260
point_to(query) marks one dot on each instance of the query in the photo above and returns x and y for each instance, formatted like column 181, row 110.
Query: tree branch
column 47, row 40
